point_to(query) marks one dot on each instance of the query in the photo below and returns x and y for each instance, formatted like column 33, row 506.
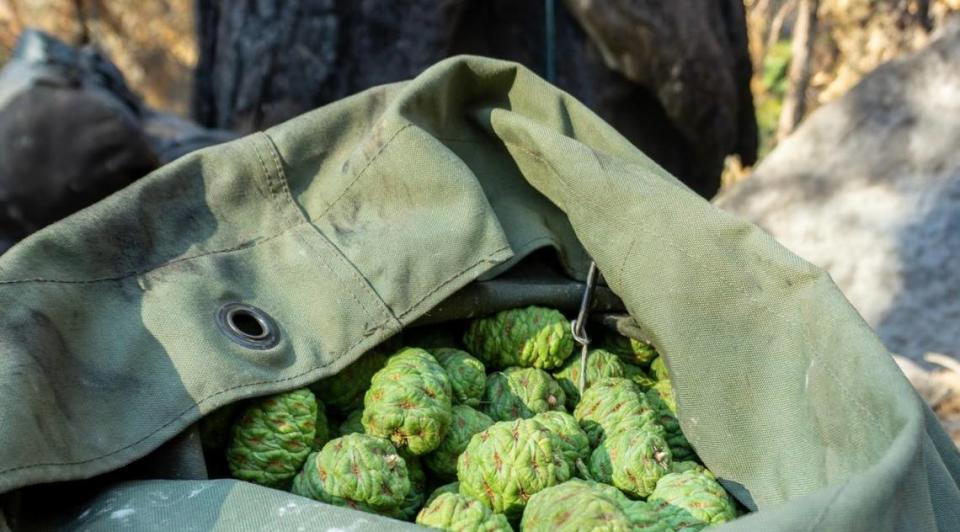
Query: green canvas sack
column 474, row 187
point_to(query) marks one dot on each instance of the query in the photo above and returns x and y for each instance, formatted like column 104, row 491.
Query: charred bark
column 264, row 61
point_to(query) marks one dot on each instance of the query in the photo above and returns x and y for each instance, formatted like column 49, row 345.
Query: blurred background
column 157, row 45
column 832, row 124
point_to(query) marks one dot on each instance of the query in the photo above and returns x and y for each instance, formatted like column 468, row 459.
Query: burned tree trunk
column 688, row 105
column 264, row 61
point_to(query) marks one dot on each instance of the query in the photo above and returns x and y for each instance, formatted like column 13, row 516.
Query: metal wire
column 578, row 326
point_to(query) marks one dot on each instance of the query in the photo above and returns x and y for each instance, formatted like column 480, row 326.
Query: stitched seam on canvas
column 253, row 243
column 453, row 278
column 126, row 275
column 268, row 176
column 356, row 277
column 823, row 513
column 263, row 168
column 360, row 173
column 284, row 196
column 366, row 333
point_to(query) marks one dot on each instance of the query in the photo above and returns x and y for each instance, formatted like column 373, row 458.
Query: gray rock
column 72, row 133
column 869, row 189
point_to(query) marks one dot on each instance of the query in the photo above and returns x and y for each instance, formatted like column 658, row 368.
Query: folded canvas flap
column 351, row 222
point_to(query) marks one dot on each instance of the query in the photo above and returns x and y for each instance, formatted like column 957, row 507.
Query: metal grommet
column 248, row 326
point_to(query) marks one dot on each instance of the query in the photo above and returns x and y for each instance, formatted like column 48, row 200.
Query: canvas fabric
column 473, row 187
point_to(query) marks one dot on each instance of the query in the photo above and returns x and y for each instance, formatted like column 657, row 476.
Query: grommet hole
column 248, row 326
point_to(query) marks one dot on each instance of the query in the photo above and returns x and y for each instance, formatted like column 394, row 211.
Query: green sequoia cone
column 272, row 438
column 356, row 470
column 666, row 417
column 632, row 460
column 611, row 405
column 455, row 512
column 467, row 375
column 534, row 337
column 571, row 439
column 659, row 369
column 353, row 424
column 521, row 393
column 509, row 462
column 465, row 423
column 344, row 391
column 409, row 402
column 694, row 493
column 572, row 506
column 630, row 350
column 600, row 364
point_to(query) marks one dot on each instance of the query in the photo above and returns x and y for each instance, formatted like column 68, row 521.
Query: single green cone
column 455, row 512
column 506, row 464
column 365, row 470
column 272, row 438
column 571, row 439
column 531, row 337
column 632, row 460
column 409, row 402
column 468, row 377
column 521, row 393
column 574, row 505
column 695, row 494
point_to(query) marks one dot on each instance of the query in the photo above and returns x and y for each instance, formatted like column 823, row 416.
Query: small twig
column 776, row 25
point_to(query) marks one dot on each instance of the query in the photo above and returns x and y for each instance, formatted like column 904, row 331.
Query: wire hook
column 578, row 326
